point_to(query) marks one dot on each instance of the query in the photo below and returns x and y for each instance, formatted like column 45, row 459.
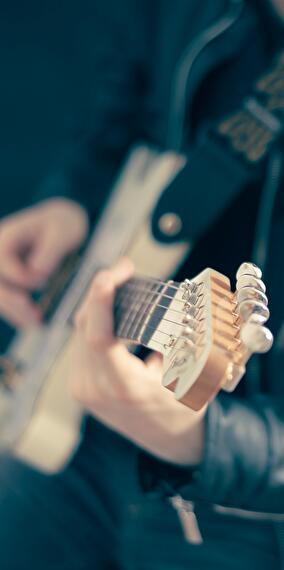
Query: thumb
column 47, row 253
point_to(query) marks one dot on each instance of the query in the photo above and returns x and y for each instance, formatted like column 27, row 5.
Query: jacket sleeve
column 87, row 171
column 243, row 463
column 243, row 460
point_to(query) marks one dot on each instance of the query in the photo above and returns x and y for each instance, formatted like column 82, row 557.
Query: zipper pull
column 188, row 519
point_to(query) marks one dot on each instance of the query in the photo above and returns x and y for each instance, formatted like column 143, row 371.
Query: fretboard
column 139, row 307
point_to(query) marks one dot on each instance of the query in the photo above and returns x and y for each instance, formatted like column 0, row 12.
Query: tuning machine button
column 251, row 298
column 248, row 268
column 256, row 337
column 251, row 293
column 250, row 307
column 250, row 281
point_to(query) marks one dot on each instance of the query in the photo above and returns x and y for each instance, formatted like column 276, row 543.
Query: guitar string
column 124, row 292
column 168, row 320
column 172, row 284
column 159, row 330
column 130, row 288
column 125, row 295
column 139, row 305
column 132, row 284
column 179, row 311
column 137, row 320
column 131, row 327
column 149, row 327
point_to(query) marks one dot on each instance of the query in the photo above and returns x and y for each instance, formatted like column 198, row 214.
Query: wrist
column 175, row 435
column 174, row 432
column 183, row 442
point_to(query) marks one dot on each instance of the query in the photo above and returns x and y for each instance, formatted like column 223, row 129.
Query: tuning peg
column 256, row 337
column 256, row 319
column 248, row 268
column 251, row 307
column 250, row 281
column 251, row 293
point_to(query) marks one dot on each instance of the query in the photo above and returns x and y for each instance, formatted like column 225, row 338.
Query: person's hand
column 122, row 391
column 32, row 244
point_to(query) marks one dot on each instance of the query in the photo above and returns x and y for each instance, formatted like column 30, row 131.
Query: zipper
column 184, row 67
column 249, row 515
column 187, row 518
column 189, row 523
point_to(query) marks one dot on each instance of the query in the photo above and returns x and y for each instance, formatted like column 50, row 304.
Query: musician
column 111, row 508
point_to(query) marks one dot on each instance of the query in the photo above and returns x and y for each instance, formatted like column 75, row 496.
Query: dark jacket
column 141, row 48
column 46, row 68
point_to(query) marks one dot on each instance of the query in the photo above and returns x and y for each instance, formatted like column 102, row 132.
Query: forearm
column 170, row 433
column 243, row 462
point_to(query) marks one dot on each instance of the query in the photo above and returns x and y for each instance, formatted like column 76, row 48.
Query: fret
column 124, row 312
column 139, row 307
column 134, row 321
column 157, row 314
column 145, row 300
column 144, row 311
column 130, row 307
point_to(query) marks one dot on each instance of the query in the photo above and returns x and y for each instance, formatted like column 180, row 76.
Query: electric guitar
column 205, row 331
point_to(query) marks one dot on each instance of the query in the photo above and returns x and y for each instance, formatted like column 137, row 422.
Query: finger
column 13, row 268
column 13, row 265
column 103, row 288
column 47, row 253
column 96, row 314
column 122, row 271
column 17, row 309
column 14, row 271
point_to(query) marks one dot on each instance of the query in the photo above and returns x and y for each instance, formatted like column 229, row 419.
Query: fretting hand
column 121, row 390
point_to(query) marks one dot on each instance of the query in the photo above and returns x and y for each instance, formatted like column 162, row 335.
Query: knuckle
column 102, row 285
column 97, row 341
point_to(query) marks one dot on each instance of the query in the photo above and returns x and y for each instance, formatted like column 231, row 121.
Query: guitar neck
column 140, row 306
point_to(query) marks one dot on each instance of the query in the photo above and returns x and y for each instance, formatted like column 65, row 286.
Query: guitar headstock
column 214, row 333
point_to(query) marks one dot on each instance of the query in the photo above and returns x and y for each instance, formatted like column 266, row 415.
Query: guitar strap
column 231, row 157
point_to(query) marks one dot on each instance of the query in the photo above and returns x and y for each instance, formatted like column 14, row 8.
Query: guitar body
column 47, row 431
